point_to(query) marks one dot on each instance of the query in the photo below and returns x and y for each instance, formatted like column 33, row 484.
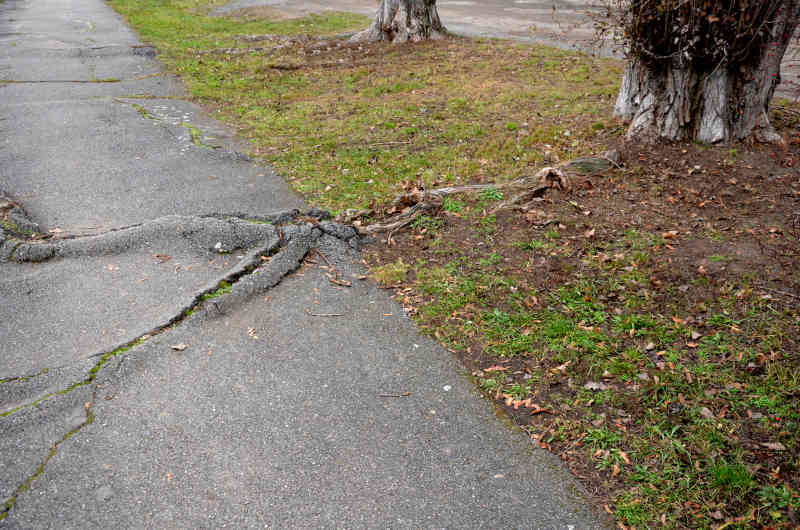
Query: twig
column 786, row 109
column 323, row 256
column 337, row 281
column 333, row 276
column 403, row 394
column 780, row 292
column 389, row 143
column 324, row 314
column 547, row 223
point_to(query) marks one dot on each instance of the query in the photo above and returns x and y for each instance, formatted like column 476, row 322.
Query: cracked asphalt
column 176, row 355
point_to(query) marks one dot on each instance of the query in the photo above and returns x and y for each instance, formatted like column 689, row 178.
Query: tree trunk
column 675, row 101
column 404, row 20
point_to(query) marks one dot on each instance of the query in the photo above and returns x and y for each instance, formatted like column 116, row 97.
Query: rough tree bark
column 404, row 20
column 676, row 100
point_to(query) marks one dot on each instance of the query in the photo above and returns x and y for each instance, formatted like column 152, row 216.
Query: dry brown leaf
column 774, row 446
column 495, row 368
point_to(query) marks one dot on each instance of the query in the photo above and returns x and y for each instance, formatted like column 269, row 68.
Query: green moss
column 224, row 287
column 391, row 273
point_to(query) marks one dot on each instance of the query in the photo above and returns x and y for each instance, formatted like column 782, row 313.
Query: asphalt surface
column 167, row 362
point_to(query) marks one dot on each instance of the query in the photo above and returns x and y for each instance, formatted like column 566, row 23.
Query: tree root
column 418, row 202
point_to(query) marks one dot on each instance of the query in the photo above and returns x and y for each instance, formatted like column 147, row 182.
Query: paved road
column 130, row 399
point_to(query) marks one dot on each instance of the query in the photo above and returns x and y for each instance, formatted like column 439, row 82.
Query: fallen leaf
column 706, row 413
column 672, row 234
column 594, row 385
column 179, row 347
column 496, row 368
column 162, row 258
column 625, row 457
column 615, row 470
column 589, row 233
column 774, row 446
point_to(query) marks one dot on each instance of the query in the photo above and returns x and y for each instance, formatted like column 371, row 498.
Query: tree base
column 401, row 21
column 675, row 103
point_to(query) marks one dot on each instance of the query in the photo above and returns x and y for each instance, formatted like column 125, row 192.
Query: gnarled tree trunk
column 404, row 20
column 676, row 99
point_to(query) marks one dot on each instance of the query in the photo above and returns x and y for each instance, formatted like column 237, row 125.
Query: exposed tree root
column 417, row 201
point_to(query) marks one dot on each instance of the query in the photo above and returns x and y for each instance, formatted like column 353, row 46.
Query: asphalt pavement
column 175, row 353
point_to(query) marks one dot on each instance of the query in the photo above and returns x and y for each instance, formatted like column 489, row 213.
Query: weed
column 732, row 478
column 452, row 205
column 427, row 223
column 491, row 194
column 391, row 273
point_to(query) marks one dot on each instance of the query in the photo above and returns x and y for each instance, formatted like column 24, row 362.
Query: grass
column 391, row 273
column 661, row 398
column 348, row 125
column 674, row 408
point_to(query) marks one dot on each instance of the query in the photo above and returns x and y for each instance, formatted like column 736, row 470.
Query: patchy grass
column 648, row 341
column 648, row 335
column 347, row 124
column 391, row 273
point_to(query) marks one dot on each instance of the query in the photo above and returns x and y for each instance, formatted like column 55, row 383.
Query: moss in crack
column 40, row 469
column 224, row 288
column 143, row 111
column 14, row 228
column 197, row 136
column 23, row 378
column 88, row 380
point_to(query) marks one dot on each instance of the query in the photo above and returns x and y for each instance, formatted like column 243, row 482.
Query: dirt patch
column 643, row 326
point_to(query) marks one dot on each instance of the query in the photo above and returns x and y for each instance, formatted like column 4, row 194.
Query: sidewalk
column 177, row 356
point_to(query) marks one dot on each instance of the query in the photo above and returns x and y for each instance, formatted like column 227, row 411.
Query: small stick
column 780, row 292
column 318, row 251
column 324, row 314
column 403, row 394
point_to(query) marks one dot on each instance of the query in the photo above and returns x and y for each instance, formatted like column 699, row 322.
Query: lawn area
column 643, row 324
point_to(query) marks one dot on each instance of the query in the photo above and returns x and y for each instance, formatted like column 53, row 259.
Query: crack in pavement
column 61, row 81
column 250, row 277
column 9, row 504
column 283, row 255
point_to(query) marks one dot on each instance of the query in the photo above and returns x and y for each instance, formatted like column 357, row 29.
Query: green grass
column 348, row 128
column 684, row 446
column 391, row 273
